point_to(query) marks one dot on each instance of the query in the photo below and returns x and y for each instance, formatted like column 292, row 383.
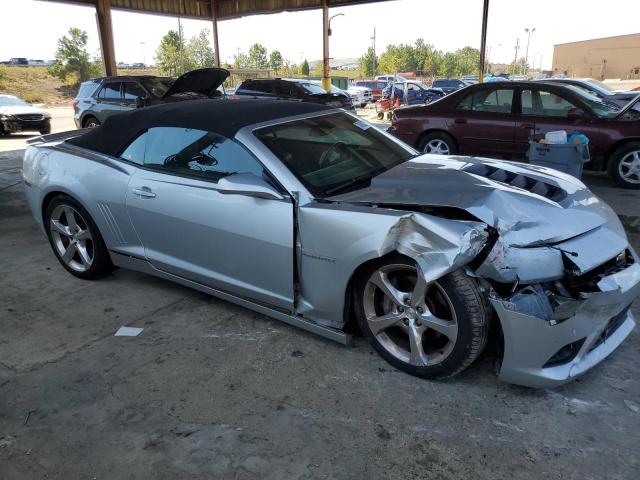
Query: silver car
column 312, row 216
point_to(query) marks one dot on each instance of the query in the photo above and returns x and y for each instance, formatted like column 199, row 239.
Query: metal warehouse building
column 610, row 57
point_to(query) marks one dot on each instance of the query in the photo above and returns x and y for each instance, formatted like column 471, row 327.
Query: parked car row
column 500, row 119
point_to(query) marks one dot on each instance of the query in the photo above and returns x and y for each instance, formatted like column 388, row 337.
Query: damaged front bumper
column 577, row 334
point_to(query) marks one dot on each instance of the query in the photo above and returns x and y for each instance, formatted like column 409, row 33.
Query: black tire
column 46, row 130
column 90, row 122
column 438, row 136
column 471, row 316
column 614, row 167
column 101, row 261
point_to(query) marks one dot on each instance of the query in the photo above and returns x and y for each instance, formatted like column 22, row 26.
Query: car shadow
column 20, row 136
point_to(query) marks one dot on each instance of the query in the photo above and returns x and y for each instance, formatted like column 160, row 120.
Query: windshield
column 157, row 86
column 600, row 108
column 334, row 153
column 12, row 102
column 600, row 85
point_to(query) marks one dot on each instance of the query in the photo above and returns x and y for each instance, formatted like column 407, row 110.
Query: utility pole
column 181, row 47
column 515, row 58
column 526, row 56
column 483, row 41
column 375, row 59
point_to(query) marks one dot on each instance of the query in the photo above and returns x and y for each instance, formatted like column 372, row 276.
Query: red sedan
column 500, row 118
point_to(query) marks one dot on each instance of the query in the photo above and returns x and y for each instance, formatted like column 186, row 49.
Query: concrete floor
column 211, row 390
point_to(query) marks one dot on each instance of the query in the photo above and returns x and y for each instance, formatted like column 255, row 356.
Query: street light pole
column 326, row 80
column 526, row 56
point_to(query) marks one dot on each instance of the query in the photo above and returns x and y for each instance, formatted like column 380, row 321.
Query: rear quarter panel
column 97, row 182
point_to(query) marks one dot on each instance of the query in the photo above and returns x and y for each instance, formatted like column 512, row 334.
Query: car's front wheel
column 624, row 166
column 431, row 330
column 75, row 239
column 438, row 143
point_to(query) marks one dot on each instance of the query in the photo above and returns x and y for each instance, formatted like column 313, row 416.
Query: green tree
column 199, row 50
column 275, row 61
column 449, row 65
column 171, row 55
column 304, row 68
column 468, row 60
column 240, row 60
column 367, row 63
column 72, row 57
column 258, row 56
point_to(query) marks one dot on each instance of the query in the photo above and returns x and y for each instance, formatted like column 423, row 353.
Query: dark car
column 449, row 85
column 599, row 89
column 414, row 93
column 295, row 89
column 376, row 86
column 501, row 118
column 99, row 98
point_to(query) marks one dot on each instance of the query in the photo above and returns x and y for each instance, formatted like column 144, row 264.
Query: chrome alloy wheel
column 437, row 147
column 413, row 320
column 629, row 167
column 71, row 238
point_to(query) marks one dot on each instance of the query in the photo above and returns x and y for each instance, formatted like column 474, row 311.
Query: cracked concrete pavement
column 211, row 390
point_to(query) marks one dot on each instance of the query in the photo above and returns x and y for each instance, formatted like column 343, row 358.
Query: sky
column 30, row 28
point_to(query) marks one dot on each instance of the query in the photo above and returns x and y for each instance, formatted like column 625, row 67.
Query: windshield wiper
column 352, row 182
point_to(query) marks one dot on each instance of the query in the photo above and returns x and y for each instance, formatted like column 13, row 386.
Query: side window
column 492, row 101
column 284, row 89
column 110, row 91
column 554, row 105
column 135, row 151
column 132, row 90
column 197, row 153
column 544, row 104
column 466, row 103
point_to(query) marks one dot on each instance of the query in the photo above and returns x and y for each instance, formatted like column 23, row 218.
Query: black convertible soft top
column 224, row 117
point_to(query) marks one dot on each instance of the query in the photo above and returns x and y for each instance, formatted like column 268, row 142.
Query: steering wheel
column 326, row 160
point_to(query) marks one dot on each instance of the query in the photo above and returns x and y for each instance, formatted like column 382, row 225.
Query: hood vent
column 518, row 180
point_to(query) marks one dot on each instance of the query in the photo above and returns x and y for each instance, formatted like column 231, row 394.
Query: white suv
column 360, row 95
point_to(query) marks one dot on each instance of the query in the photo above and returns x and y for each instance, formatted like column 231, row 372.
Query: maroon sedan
column 499, row 119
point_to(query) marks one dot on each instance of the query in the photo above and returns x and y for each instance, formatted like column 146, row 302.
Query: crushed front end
column 571, row 311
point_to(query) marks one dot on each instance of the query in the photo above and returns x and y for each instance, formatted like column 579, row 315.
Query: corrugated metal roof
column 201, row 9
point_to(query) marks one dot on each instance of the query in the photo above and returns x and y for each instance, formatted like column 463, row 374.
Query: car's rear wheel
column 91, row 122
column 438, row 143
column 75, row 239
column 624, row 166
column 431, row 330
column 46, row 130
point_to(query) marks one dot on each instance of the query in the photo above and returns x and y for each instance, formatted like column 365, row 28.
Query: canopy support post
column 105, row 32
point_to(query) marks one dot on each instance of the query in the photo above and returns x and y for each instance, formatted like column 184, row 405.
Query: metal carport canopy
column 215, row 10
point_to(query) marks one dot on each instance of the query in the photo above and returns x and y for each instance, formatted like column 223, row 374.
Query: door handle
column 460, row 120
column 144, row 192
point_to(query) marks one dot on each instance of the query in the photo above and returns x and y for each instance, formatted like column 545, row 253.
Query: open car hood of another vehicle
column 529, row 205
column 204, row 81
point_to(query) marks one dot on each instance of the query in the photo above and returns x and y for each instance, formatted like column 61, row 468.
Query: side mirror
column 248, row 184
column 139, row 102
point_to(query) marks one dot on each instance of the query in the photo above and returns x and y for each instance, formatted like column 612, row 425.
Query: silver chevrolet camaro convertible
column 312, row 216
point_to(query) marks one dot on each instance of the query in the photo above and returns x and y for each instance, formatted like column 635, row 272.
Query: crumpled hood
column 550, row 207
column 22, row 109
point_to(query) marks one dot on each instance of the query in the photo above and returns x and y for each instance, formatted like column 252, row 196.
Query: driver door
column 191, row 228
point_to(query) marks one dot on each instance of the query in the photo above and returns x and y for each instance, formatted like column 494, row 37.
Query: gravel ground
column 211, row 390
